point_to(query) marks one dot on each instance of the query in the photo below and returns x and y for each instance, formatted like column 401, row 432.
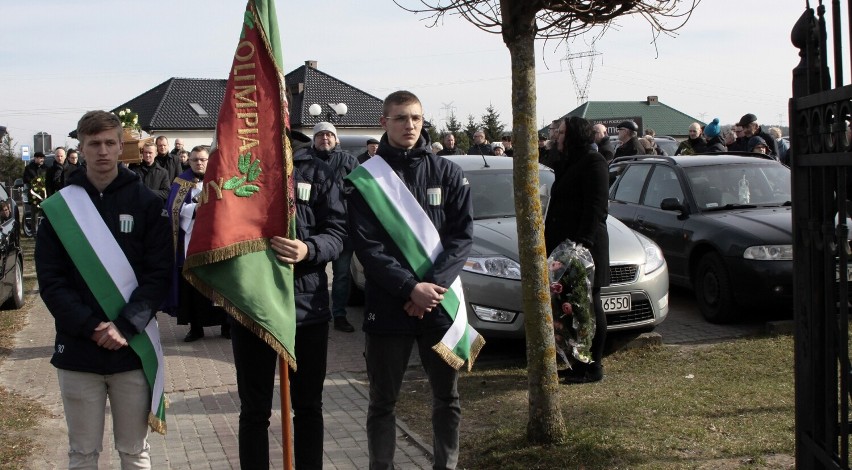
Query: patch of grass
column 726, row 405
column 19, row 415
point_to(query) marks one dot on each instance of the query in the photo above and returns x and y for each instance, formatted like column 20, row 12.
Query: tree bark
column 546, row 424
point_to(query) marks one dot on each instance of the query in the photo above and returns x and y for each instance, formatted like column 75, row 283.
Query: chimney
column 311, row 63
column 653, row 101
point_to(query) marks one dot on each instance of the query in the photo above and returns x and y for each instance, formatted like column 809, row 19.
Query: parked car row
column 636, row 298
column 723, row 221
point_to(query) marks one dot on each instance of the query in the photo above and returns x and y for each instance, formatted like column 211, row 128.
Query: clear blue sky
column 62, row 58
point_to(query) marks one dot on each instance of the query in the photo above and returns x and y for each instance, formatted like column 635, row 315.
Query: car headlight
column 498, row 266
column 769, row 252
column 653, row 255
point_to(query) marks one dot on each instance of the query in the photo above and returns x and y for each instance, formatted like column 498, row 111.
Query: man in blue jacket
column 401, row 307
column 127, row 234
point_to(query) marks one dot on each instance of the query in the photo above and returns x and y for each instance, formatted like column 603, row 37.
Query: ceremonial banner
column 247, row 196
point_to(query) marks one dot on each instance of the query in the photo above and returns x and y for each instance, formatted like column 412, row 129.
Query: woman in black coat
column 578, row 211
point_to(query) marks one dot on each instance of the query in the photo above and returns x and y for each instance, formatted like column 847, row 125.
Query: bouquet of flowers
column 571, row 270
column 38, row 190
column 129, row 119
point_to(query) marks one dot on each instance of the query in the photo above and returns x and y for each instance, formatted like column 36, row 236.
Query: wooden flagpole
column 284, row 390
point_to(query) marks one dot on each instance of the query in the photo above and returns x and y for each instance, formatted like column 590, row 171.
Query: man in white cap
column 342, row 163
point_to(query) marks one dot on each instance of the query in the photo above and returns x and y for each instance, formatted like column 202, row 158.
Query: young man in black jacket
column 320, row 229
column 404, row 307
column 126, row 233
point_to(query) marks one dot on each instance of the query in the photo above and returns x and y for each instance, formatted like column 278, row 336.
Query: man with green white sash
column 411, row 221
column 103, row 260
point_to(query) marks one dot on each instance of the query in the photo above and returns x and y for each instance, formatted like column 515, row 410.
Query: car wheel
column 28, row 231
column 713, row 290
column 16, row 301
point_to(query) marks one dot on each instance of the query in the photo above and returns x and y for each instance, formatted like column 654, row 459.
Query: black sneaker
column 193, row 336
column 342, row 324
column 590, row 375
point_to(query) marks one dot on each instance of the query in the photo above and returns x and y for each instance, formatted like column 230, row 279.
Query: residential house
column 188, row 107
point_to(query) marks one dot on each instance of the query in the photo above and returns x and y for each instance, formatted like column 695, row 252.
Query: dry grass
column 721, row 406
column 18, row 415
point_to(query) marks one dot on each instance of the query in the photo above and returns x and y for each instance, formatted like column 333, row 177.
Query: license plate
column 848, row 274
column 616, row 303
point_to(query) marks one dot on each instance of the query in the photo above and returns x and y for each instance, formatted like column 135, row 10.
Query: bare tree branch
column 558, row 19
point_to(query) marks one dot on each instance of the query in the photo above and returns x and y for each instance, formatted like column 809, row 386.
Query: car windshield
column 735, row 185
column 493, row 193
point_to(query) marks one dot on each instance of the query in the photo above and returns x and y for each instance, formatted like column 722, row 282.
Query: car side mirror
column 672, row 204
column 19, row 183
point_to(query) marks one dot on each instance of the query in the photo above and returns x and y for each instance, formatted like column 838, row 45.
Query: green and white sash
column 107, row 272
column 413, row 232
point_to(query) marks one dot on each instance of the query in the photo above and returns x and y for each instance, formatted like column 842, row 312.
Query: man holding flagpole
column 268, row 222
column 103, row 262
column 320, row 228
column 411, row 221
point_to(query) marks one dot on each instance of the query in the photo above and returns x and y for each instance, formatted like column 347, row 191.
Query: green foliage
column 434, row 135
column 11, row 166
column 453, row 125
column 471, row 126
column 491, row 124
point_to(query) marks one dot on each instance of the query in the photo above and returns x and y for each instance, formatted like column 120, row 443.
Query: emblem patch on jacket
column 433, row 195
column 303, row 191
column 125, row 223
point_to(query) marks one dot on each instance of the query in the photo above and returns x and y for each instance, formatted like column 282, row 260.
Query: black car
column 11, row 258
column 723, row 221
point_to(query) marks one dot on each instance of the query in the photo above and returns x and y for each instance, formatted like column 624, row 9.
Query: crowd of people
column 139, row 220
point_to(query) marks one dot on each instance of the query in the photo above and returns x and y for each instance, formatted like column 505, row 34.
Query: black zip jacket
column 578, row 207
column 480, row 149
column 631, row 147
column 320, row 224
column 390, row 279
column 155, row 178
column 341, row 163
column 75, row 310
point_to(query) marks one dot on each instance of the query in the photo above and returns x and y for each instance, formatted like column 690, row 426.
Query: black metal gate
column 821, row 160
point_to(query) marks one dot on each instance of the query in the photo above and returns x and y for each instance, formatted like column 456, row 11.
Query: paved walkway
column 201, row 386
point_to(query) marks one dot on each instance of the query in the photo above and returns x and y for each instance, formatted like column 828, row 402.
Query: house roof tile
column 168, row 106
column 664, row 119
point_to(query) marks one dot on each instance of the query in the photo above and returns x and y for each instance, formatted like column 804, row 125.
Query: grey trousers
column 387, row 359
column 84, row 397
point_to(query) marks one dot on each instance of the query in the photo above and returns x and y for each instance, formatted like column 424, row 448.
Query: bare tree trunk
column 545, row 424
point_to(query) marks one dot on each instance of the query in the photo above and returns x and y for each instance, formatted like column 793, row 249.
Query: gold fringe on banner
column 239, row 315
column 454, row 360
column 157, row 425
column 225, row 253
